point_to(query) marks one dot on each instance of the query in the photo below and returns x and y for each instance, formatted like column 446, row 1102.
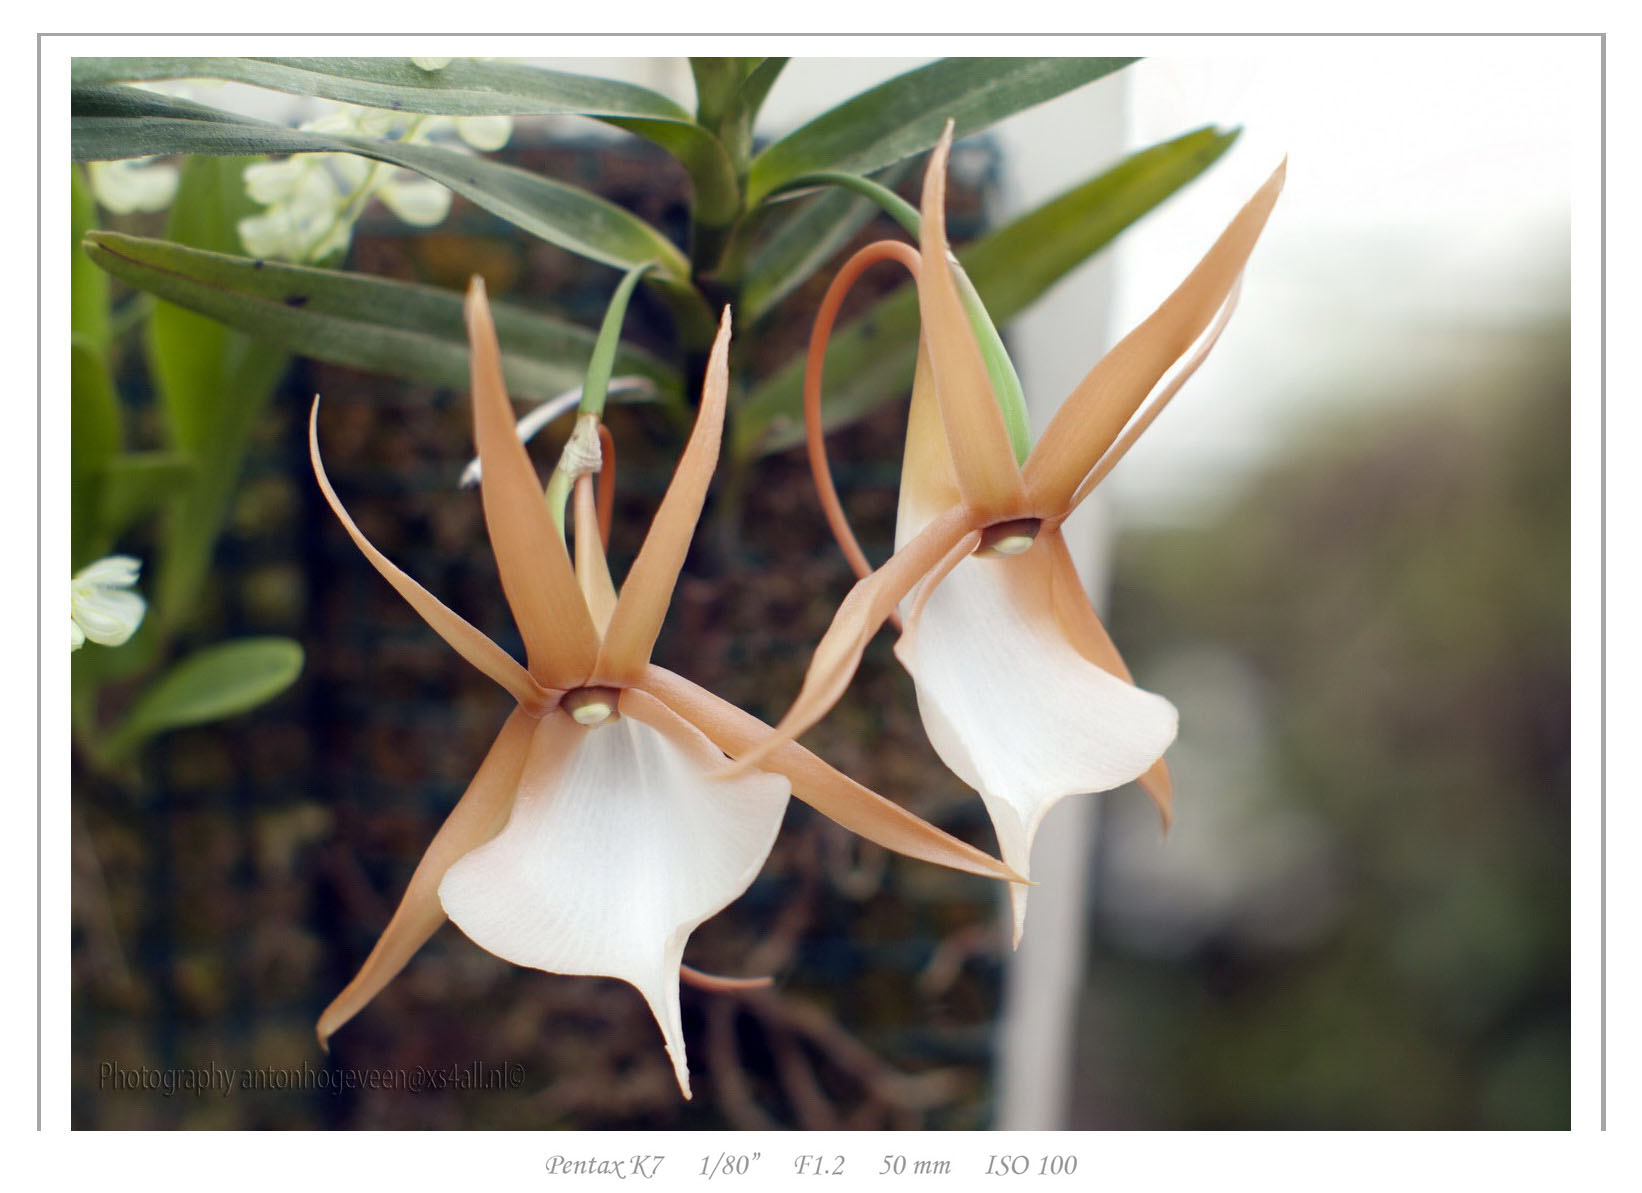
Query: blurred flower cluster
column 313, row 200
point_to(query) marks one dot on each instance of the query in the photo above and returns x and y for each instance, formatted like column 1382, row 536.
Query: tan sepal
column 463, row 637
column 1088, row 635
column 1153, row 408
column 841, row 799
column 718, row 983
column 859, row 617
column 530, row 556
column 648, row 589
column 592, row 568
column 1089, row 420
column 477, row 817
column 982, row 458
column 927, row 480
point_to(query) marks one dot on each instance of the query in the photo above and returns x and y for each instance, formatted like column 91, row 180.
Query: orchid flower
column 1020, row 689
column 104, row 607
column 596, row 835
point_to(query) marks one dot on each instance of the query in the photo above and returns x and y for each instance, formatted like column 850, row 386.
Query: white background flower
column 104, row 609
column 314, row 199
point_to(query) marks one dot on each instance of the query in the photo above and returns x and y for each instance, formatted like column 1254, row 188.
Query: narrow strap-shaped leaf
column 870, row 360
column 736, row 129
column 905, row 115
column 648, row 589
column 716, row 80
column 386, row 326
column 94, row 419
column 121, row 122
column 196, row 364
column 88, row 288
column 817, row 229
column 462, row 88
column 535, row 568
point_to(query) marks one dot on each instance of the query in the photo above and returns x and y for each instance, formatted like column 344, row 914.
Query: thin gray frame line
column 1602, row 472
column 39, row 570
column 924, row 33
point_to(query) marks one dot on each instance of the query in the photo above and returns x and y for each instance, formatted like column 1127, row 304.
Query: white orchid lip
column 617, row 846
column 1009, row 538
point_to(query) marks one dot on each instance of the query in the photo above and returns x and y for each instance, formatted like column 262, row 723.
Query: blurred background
column 1343, row 554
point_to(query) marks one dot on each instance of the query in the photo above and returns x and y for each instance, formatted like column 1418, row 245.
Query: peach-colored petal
column 1147, row 416
column 1089, row 420
column 463, row 637
column 863, row 611
column 983, row 460
column 617, row 847
column 648, row 589
column 1083, row 626
column 592, row 568
column 536, row 575
column 477, row 818
column 841, row 799
column 928, row 483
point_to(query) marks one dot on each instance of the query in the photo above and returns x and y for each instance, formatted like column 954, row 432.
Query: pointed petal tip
column 1159, row 785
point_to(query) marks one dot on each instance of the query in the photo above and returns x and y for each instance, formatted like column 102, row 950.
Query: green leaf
column 138, row 483
column 754, row 89
column 120, row 122
column 404, row 330
column 94, row 418
column 814, row 231
column 463, row 88
column 212, row 683
column 869, row 361
column 187, row 353
column 213, row 384
column 88, row 286
column 716, row 80
column 905, row 115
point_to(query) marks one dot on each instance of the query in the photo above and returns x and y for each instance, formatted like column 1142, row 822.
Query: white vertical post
column 1047, row 151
